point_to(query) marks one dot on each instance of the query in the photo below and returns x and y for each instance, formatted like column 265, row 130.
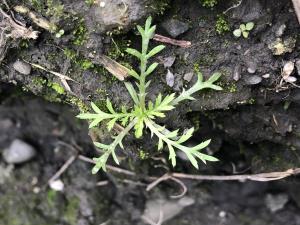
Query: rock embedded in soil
column 169, row 208
column 18, row 152
column 248, row 10
column 22, row 67
column 120, row 14
column 169, row 61
column 252, row 80
column 298, row 66
column 252, row 67
column 188, row 76
column 276, row 202
column 170, row 79
column 175, row 27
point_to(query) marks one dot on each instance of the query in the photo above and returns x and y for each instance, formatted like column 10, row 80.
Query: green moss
column 209, row 3
column 79, row 60
column 90, row 2
column 80, row 33
column 159, row 6
column 71, row 211
column 222, row 25
column 57, row 87
column 79, row 103
column 143, row 155
column 55, row 9
column 51, row 195
column 251, row 101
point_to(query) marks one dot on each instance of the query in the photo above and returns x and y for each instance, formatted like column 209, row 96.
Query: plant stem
column 142, row 85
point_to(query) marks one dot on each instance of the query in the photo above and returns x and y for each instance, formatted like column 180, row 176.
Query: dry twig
column 163, row 39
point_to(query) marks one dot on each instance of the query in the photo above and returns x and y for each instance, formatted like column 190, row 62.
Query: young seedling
column 143, row 114
column 244, row 30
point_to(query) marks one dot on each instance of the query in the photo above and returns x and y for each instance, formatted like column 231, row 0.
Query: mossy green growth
column 209, row 3
column 143, row 155
column 222, row 25
column 90, row 2
column 83, row 63
column 55, row 9
column 159, row 6
column 57, row 88
column 78, row 103
column 51, row 195
column 80, row 33
column 71, row 211
column 228, row 86
column 251, row 101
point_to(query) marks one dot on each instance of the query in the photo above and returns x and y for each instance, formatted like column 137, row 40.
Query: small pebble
column 266, row 76
column 170, row 79
column 222, row 214
column 102, row 4
column 169, row 61
column 252, row 80
column 175, row 27
column 22, row 67
column 237, row 72
column 280, row 30
column 57, row 185
column 298, row 66
column 276, row 202
column 287, row 70
column 252, row 67
column 18, row 152
column 188, row 76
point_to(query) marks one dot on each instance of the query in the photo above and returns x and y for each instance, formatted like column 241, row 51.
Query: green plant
column 222, row 25
column 244, row 30
column 143, row 115
column 208, row 3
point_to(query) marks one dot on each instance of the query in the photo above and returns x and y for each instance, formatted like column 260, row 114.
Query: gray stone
column 167, row 208
column 276, row 202
column 170, row 79
column 252, row 80
column 175, row 27
column 22, row 67
column 117, row 14
column 188, row 76
column 252, row 67
column 169, row 61
column 279, row 32
column 237, row 72
column 298, row 66
column 248, row 10
column 18, row 152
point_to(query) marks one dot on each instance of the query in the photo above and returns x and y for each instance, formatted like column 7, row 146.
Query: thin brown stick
column 157, row 181
column 102, row 183
column 62, row 169
column 184, row 188
column 180, row 43
column 111, row 168
column 262, row 177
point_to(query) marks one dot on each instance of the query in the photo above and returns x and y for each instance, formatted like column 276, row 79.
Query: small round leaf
column 237, row 32
column 249, row 26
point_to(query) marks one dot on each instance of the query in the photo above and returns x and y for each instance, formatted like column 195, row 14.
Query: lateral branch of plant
column 260, row 177
column 143, row 114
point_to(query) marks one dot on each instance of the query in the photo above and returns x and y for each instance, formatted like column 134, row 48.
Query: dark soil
column 254, row 122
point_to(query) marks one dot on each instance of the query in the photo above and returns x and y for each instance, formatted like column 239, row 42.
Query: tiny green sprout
column 244, row 30
column 60, row 33
column 144, row 112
